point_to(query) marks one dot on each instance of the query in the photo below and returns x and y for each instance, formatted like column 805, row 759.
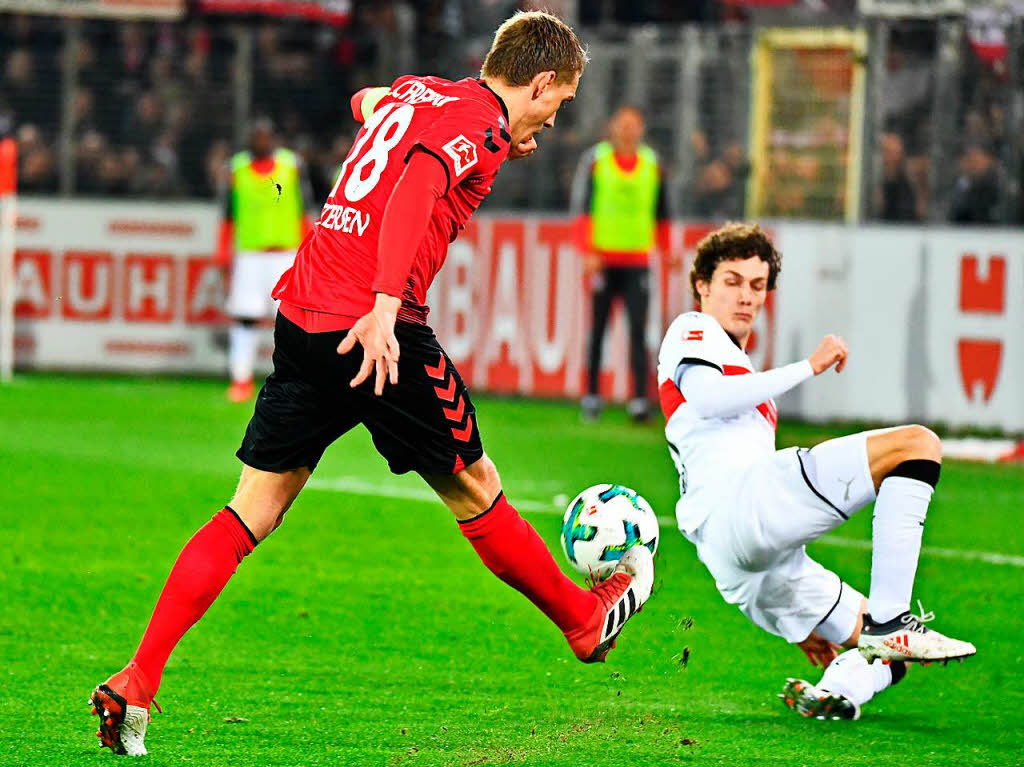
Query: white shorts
column 753, row 540
column 253, row 277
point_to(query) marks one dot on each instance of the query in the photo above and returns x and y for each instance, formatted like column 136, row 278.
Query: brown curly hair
column 735, row 240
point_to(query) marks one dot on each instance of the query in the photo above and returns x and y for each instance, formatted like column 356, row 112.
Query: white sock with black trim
column 855, row 679
column 897, row 528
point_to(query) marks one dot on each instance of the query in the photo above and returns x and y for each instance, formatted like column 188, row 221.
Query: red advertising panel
column 205, row 291
column 88, row 280
column 149, row 287
column 33, row 284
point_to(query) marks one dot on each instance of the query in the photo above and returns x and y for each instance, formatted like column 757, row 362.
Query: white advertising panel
column 930, row 314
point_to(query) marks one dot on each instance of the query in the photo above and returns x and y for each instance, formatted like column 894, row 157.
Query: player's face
column 735, row 295
column 261, row 142
column 548, row 96
column 626, row 130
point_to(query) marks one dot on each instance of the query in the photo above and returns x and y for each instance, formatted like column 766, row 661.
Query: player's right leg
column 242, row 341
column 848, row 683
column 298, row 413
column 899, row 469
column 198, row 576
column 601, row 306
column 511, row 549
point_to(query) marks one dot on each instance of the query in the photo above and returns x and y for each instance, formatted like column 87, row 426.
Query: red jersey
column 463, row 124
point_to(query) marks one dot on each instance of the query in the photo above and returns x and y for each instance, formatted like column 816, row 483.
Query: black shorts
column 425, row 423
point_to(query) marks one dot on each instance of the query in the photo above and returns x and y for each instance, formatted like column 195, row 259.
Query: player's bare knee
column 921, row 443
column 469, row 491
column 482, row 472
column 262, row 498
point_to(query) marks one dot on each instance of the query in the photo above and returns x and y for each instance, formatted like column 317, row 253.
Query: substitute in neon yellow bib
column 619, row 199
column 264, row 222
column 623, row 206
column 266, row 202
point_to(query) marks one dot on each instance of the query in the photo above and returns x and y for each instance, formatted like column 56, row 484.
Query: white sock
column 854, row 678
column 900, row 511
column 242, row 353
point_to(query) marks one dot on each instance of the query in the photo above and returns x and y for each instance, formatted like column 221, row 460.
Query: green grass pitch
column 366, row 632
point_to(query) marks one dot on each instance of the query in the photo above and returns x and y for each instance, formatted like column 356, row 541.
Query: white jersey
column 707, row 450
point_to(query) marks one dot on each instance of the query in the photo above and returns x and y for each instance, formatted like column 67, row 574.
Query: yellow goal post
column 807, row 123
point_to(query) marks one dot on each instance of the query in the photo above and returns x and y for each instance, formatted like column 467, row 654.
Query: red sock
column 201, row 571
column 513, row 551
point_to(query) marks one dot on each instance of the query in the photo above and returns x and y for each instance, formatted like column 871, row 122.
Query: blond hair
column 531, row 42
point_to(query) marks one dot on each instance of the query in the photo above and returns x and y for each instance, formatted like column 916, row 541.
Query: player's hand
column 831, row 351
column 522, row 149
column 592, row 264
column 375, row 332
column 818, row 650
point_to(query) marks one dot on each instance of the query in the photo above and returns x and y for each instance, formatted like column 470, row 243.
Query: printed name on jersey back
column 415, row 92
column 344, row 219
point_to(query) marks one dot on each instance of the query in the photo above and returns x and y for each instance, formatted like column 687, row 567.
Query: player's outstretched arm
column 715, row 395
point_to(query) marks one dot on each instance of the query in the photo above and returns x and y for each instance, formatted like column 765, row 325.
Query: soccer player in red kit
column 352, row 347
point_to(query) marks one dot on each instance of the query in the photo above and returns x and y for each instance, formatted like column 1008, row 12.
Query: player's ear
column 541, row 82
column 703, row 289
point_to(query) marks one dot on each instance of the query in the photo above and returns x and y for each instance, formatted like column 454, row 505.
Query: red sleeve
column 406, row 218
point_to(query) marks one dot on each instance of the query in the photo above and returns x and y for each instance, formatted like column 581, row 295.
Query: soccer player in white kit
column 750, row 510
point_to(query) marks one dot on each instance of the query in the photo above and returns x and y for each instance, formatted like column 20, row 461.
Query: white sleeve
column 714, row 395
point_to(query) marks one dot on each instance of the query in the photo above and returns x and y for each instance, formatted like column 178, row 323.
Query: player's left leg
column 253, row 278
column 849, row 680
column 905, row 463
column 242, row 340
column 636, row 294
column 296, row 417
column 428, row 424
column 899, row 468
column 604, row 291
column 512, row 550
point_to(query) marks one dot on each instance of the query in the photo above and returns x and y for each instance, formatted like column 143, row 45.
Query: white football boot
column 906, row 638
column 815, row 703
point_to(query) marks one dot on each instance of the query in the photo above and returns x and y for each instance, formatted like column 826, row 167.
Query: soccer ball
column 601, row 523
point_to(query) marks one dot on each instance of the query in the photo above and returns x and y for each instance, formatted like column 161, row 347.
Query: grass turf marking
column 554, row 506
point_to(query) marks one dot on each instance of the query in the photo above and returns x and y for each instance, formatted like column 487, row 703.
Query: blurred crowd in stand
column 970, row 182
column 152, row 107
column 151, row 111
